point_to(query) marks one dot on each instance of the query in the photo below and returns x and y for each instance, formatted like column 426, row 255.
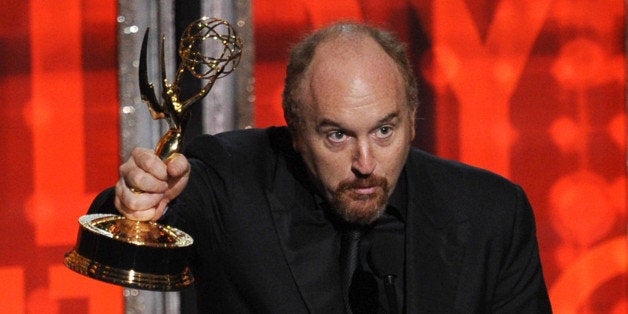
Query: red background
column 533, row 90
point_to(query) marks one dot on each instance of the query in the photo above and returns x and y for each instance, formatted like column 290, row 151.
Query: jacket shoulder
column 250, row 152
column 453, row 174
column 454, row 190
column 246, row 142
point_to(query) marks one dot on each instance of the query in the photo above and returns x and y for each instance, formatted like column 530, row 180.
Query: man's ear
column 413, row 124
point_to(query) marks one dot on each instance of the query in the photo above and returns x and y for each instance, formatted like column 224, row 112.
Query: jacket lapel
column 304, row 241
column 305, row 236
column 433, row 245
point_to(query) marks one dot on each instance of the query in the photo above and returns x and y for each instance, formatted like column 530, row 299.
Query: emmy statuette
column 148, row 255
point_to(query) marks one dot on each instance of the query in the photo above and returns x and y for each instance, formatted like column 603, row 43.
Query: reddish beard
column 361, row 208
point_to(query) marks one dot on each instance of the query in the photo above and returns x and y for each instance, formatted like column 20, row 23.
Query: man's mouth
column 361, row 200
column 364, row 190
column 363, row 187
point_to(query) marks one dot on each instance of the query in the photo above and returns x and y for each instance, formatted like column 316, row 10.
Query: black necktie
column 349, row 249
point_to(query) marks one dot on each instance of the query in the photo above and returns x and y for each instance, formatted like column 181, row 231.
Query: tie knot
column 354, row 234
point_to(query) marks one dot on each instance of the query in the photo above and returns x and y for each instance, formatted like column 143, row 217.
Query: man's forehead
column 345, row 47
column 332, row 120
column 350, row 71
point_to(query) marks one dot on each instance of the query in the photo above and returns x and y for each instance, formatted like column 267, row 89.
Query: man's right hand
column 147, row 184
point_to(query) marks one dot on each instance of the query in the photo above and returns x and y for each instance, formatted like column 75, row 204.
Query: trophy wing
column 147, row 91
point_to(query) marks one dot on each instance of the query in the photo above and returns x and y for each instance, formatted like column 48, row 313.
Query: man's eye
column 337, row 136
column 384, row 132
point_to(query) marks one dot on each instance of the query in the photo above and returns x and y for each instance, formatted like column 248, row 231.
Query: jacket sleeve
column 103, row 203
column 520, row 285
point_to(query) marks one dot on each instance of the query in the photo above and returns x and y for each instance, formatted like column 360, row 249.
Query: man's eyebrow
column 389, row 117
column 327, row 123
column 330, row 123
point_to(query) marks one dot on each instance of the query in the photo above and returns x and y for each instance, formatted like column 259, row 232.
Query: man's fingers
column 176, row 187
column 138, row 206
column 178, row 166
column 144, row 171
column 179, row 174
column 147, row 184
column 146, row 160
column 144, row 215
column 136, row 178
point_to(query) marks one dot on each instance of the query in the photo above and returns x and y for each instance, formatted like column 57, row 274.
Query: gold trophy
column 148, row 255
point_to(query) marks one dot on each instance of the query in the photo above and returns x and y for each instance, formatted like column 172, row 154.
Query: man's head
column 350, row 100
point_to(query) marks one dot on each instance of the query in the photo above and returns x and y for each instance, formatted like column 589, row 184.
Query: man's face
column 357, row 126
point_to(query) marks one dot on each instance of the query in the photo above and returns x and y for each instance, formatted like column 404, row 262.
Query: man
column 270, row 209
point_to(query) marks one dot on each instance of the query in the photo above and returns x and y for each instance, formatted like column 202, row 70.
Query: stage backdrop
column 59, row 147
column 533, row 90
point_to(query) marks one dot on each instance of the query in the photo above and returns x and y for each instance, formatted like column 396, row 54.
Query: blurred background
column 532, row 90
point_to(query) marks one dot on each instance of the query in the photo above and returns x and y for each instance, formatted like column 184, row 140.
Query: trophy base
column 141, row 255
column 127, row 278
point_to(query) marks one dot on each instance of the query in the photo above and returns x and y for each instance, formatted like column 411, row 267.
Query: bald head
column 349, row 67
column 338, row 51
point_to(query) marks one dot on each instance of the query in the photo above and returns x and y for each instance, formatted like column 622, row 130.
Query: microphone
column 391, row 293
column 386, row 259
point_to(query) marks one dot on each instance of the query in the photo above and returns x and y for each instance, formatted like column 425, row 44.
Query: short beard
column 357, row 208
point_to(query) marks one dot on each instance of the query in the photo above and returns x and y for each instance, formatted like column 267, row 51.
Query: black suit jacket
column 470, row 235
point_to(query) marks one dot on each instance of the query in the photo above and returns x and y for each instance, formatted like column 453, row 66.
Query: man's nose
column 364, row 162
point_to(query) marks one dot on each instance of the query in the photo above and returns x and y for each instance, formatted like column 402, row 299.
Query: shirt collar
column 398, row 200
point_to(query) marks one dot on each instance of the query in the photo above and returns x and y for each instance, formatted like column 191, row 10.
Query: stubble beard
column 361, row 208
